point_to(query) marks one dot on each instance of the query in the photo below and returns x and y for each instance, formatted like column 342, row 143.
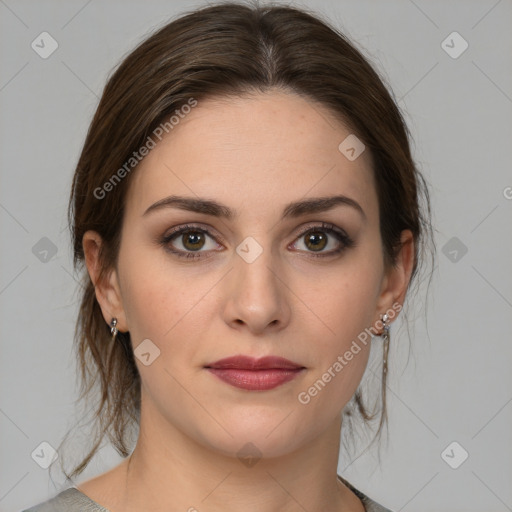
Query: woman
column 248, row 212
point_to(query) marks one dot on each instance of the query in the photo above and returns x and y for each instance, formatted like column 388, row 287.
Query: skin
column 254, row 154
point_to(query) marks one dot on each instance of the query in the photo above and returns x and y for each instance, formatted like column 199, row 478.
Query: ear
column 398, row 276
column 108, row 292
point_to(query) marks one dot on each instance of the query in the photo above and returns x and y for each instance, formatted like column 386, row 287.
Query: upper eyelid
column 212, row 232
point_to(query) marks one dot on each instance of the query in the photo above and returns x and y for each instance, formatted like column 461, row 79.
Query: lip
column 251, row 363
column 255, row 374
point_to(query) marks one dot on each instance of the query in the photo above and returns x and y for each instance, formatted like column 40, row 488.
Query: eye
column 188, row 241
column 318, row 238
column 191, row 241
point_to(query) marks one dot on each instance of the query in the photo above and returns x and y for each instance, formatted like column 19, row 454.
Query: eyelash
column 345, row 241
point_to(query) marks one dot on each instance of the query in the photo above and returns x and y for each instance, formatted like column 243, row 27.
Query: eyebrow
column 292, row 210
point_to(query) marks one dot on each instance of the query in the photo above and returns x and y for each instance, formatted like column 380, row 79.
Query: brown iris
column 196, row 239
column 317, row 239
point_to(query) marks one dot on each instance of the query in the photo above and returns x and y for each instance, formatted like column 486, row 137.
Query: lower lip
column 255, row 380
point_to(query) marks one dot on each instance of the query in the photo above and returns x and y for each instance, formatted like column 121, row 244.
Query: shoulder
column 372, row 506
column 72, row 499
column 368, row 503
column 69, row 500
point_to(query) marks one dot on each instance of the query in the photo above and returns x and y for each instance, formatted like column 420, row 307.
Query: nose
column 257, row 295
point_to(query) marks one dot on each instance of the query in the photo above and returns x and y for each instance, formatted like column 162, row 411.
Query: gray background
column 456, row 383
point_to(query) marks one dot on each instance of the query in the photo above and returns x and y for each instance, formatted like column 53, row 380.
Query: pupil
column 193, row 239
column 317, row 240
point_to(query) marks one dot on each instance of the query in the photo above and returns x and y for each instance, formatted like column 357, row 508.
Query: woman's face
column 269, row 280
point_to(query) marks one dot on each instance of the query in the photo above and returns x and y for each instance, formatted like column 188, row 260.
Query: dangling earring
column 385, row 339
column 113, row 328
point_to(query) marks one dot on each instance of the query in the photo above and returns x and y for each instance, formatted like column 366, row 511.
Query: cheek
column 157, row 309
column 168, row 305
column 150, row 301
column 345, row 301
column 346, row 308
column 341, row 356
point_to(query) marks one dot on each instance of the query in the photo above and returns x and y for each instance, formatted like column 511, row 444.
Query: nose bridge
column 258, row 273
column 254, row 268
column 258, row 295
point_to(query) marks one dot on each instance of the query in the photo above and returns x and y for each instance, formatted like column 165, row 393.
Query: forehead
column 253, row 153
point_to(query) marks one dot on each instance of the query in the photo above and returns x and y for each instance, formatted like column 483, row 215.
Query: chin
column 260, row 433
column 247, row 447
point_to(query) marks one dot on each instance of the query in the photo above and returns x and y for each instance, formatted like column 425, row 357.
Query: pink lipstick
column 255, row 374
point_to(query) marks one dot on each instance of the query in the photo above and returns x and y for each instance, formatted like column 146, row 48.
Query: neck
column 169, row 470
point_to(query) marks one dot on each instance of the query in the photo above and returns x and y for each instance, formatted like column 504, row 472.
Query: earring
column 113, row 328
column 385, row 338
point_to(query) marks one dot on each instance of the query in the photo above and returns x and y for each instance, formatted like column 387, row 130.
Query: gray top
column 73, row 500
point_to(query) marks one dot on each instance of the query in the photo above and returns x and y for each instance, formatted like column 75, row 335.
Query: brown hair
column 222, row 50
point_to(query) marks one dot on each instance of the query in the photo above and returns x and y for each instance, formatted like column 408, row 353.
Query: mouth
column 255, row 374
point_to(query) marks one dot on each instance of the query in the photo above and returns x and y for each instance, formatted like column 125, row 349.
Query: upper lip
column 250, row 363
